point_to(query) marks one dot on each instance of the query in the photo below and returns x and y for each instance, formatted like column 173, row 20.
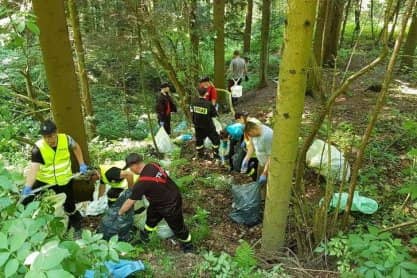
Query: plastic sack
column 238, row 157
column 183, row 138
column 163, row 141
column 317, row 158
column 236, row 90
column 247, row 204
column 114, row 224
column 359, row 203
column 180, row 127
column 58, row 201
column 217, row 125
column 224, row 149
column 162, row 229
column 98, row 205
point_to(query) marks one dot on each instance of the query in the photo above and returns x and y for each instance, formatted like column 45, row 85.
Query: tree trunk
column 332, row 32
column 82, row 73
column 377, row 109
column 345, row 20
column 219, row 64
column 407, row 60
column 319, row 30
column 372, row 19
column 60, row 73
column 263, row 61
column 394, row 25
column 195, row 40
column 289, row 109
column 248, row 28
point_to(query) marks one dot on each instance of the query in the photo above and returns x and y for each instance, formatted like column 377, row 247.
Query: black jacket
column 164, row 106
column 202, row 111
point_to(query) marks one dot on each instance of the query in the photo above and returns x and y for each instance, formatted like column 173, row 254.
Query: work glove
column 83, row 168
column 246, row 78
column 27, row 190
column 244, row 167
column 243, row 144
column 262, row 179
column 161, row 124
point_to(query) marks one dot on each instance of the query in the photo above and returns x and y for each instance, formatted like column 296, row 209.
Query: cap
column 47, row 127
column 164, row 85
column 113, row 174
column 204, row 79
column 132, row 159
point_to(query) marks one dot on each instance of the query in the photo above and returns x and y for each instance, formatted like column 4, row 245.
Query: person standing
column 164, row 107
column 237, row 71
column 261, row 143
column 51, row 165
column 211, row 90
column 202, row 113
column 165, row 201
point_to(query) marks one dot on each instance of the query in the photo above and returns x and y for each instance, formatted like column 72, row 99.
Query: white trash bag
column 58, row 201
column 236, row 89
column 317, row 158
column 217, row 125
column 162, row 229
column 163, row 141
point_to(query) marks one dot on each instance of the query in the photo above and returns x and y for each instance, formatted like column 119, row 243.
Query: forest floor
column 224, row 235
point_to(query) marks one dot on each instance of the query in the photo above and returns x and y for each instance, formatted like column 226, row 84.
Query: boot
column 187, row 247
column 75, row 220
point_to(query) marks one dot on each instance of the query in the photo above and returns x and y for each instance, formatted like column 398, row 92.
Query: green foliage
column 372, row 254
column 410, row 182
column 242, row 265
column 199, row 226
column 32, row 239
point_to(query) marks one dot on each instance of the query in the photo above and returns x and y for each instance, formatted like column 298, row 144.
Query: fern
column 245, row 256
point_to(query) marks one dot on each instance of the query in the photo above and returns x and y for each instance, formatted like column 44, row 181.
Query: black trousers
column 167, row 123
column 69, row 205
column 202, row 133
column 172, row 215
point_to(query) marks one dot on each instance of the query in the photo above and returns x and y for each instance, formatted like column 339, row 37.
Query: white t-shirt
column 263, row 144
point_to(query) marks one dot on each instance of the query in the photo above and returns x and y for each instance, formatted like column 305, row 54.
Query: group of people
column 51, row 160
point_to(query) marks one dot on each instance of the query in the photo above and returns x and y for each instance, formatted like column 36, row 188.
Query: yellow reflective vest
column 57, row 164
column 121, row 184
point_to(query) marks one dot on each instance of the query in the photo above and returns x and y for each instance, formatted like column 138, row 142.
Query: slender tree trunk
column 219, row 64
column 372, row 19
column 60, row 73
column 377, row 109
column 394, row 25
column 263, row 61
column 319, row 31
column 345, row 20
column 407, row 60
column 289, row 109
column 82, row 73
column 195, row 40
column 248, row 28
column 332, row 32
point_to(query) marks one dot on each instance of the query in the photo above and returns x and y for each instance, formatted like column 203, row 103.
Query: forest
column 208, row 138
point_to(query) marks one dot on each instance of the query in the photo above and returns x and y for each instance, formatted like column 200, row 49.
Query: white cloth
column 263, row 144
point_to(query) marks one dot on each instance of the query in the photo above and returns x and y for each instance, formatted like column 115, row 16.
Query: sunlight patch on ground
column 404, row 88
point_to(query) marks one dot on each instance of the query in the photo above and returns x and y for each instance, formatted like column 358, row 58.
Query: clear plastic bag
column 163, row 141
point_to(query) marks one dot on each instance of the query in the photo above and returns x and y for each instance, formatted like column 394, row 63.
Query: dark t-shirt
column 37, row 156
column 203, row 111
column 158, row 194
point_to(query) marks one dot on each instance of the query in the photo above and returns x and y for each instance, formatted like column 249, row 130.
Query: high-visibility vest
column 120, row 184
column 57, row 164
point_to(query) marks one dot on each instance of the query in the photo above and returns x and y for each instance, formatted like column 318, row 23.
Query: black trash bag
column 247, row 204
column 114, row 224
column 238, row 157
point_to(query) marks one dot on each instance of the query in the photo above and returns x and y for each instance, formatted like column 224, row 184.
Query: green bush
column 372, row 254
column 33, row 233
